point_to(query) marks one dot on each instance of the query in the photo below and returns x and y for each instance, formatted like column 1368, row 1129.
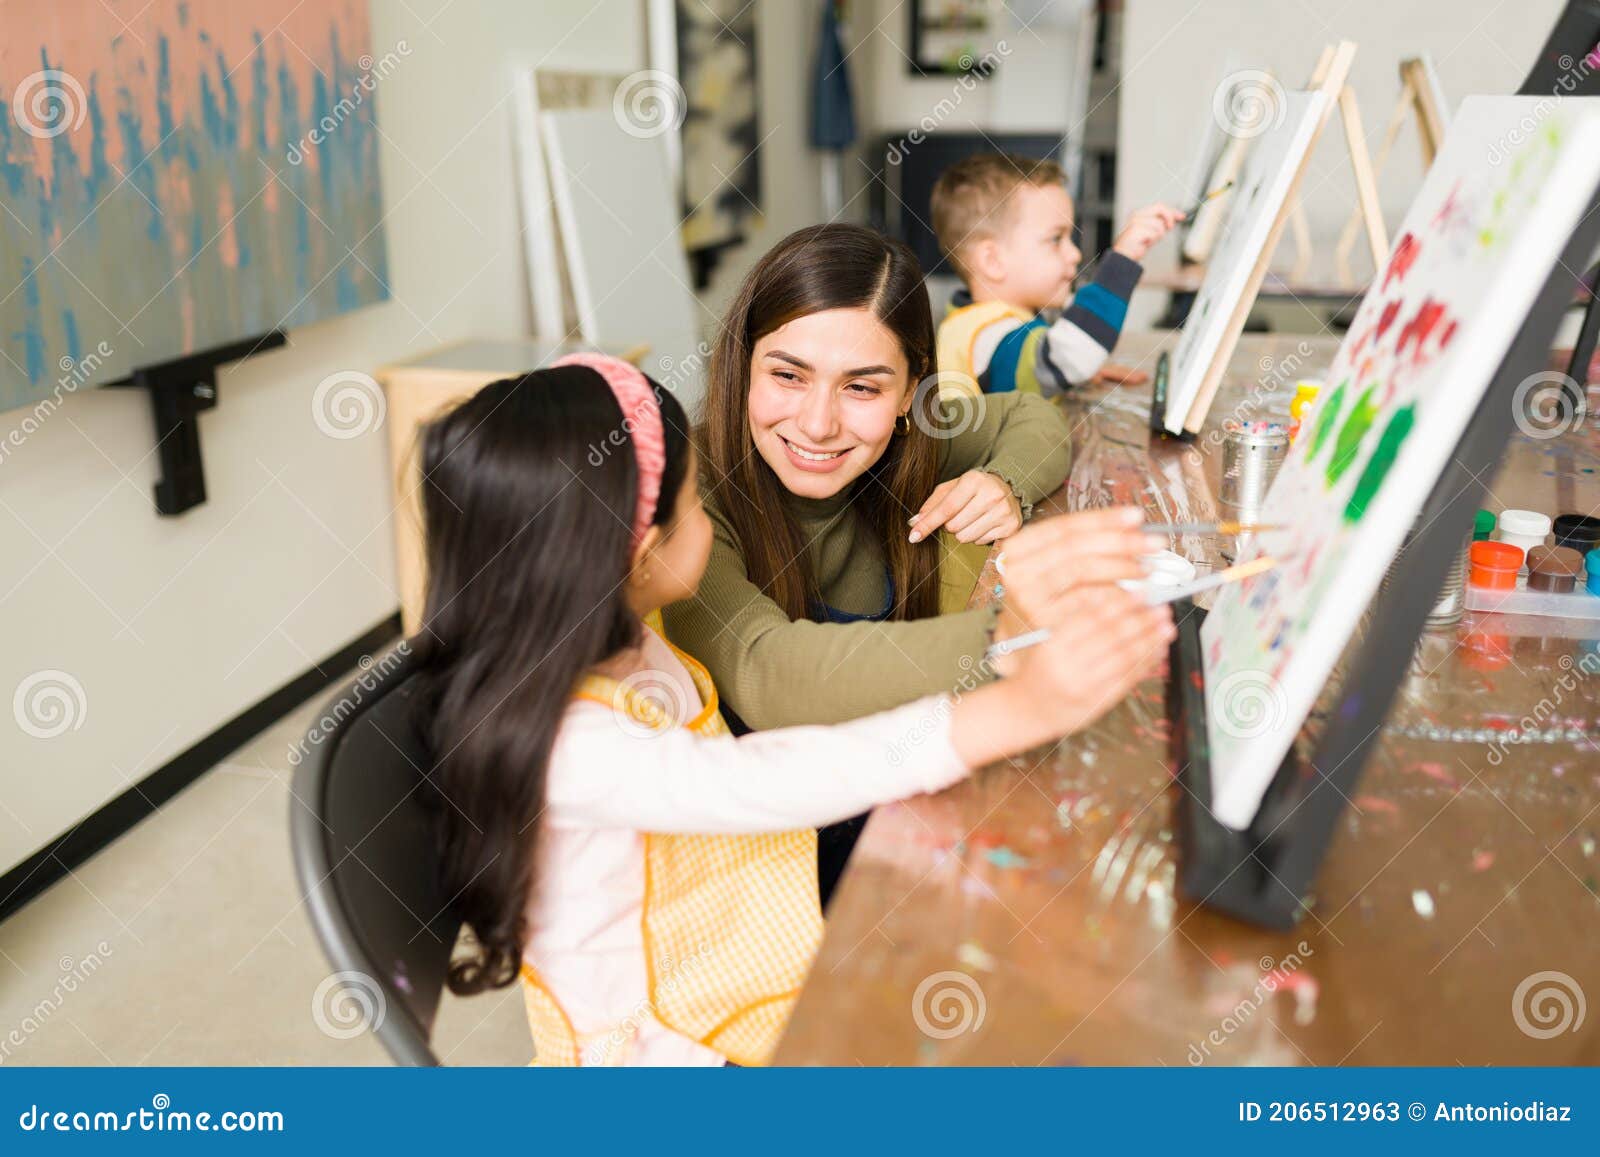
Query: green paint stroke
column 1377, row 468
column 1355, row 428
column 1326, row 419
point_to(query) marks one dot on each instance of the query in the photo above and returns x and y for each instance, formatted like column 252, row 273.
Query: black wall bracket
column 179, row 390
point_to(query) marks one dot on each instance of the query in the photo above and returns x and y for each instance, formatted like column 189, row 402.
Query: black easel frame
column 1263, row 875
column 179, row 391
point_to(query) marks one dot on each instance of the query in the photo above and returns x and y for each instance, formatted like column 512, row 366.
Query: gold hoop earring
column 902, row 424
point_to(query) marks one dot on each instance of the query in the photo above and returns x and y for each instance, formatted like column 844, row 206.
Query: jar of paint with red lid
column 1495, row 565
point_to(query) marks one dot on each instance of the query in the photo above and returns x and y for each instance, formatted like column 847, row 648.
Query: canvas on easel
column 1239, row 259
column 1261, row 208
column 1477, row 248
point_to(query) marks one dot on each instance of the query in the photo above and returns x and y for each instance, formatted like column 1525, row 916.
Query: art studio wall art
column 178, row 175
column 1476, row 248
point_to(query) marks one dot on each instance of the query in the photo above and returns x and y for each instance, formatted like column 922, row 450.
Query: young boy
column 1006, row 225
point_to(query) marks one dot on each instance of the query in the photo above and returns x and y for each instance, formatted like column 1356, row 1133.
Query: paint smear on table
column 1004, row 857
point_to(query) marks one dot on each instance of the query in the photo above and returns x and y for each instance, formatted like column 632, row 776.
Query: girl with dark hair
column 830, row 462
column 651, row 879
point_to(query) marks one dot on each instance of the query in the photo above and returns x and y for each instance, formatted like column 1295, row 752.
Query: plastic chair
column 361, row 828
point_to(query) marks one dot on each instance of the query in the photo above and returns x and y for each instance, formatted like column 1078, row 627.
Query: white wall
column 171, row 626
column 1175, row 53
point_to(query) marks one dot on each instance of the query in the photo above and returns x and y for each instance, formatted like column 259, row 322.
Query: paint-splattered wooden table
column 1028, row 916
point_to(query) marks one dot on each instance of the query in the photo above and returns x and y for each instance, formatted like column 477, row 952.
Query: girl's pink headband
column 641, row 418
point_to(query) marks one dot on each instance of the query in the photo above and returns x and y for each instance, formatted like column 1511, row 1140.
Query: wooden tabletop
column 1028, row 916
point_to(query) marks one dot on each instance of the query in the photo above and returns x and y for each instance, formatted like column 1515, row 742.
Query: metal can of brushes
column 1252, row 452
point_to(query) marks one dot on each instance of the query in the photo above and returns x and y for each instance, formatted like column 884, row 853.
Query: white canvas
column 1254, row 205
column 620, row 232
column 1505, row 194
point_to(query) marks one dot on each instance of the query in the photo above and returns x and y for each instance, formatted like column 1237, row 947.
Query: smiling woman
column 829, row 463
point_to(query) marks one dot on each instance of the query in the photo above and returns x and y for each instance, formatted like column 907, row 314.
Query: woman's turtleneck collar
column 814, row 510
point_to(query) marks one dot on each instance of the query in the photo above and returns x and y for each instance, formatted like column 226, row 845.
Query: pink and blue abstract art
column 177, row 175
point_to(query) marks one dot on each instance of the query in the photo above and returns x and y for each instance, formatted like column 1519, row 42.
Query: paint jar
column 1482, row 525
column 1452, row 600
column 1524, row 528
column 1578, row 531
column 1305, row 395
column 1495, row 565
column 1555, row 569
column 1252, row 452
column 1448, row 608
column 1168, row 568
column 1591, row 564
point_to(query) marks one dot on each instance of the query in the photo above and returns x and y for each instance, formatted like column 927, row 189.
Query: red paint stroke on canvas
column 1405, row 256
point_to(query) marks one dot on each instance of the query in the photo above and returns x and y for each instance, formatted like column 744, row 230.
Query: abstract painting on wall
column 1498, row 207
column 180, row 174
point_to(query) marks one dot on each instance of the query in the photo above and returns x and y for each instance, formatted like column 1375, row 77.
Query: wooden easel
column 1421, row 97
column 1366, row 208
column 1330, row 77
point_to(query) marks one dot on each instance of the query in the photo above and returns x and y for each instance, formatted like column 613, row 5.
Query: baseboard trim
column 53, row 862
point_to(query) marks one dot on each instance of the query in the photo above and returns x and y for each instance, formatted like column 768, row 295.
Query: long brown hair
column 819, row 268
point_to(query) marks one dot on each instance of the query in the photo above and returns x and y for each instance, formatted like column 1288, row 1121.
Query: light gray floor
column 184, row 943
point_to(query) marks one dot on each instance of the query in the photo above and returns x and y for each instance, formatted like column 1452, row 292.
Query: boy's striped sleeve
column 1072, row 350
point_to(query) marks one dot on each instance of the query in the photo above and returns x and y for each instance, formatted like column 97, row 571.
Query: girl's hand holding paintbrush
column 1100, row 640
column 1049, row 562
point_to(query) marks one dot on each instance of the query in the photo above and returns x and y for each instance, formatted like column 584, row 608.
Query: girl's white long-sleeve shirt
column 607, row 784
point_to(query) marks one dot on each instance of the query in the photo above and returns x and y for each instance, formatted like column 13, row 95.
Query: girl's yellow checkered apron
column 731, row 923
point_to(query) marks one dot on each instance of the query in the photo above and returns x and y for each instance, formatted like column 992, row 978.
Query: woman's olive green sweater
column 774, row 672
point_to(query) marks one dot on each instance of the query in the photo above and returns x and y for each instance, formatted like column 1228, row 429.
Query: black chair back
column 361, row 825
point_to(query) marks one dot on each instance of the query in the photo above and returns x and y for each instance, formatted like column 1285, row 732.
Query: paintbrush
column 1154, row 596
column 1224, row 527
column 1217, row 192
